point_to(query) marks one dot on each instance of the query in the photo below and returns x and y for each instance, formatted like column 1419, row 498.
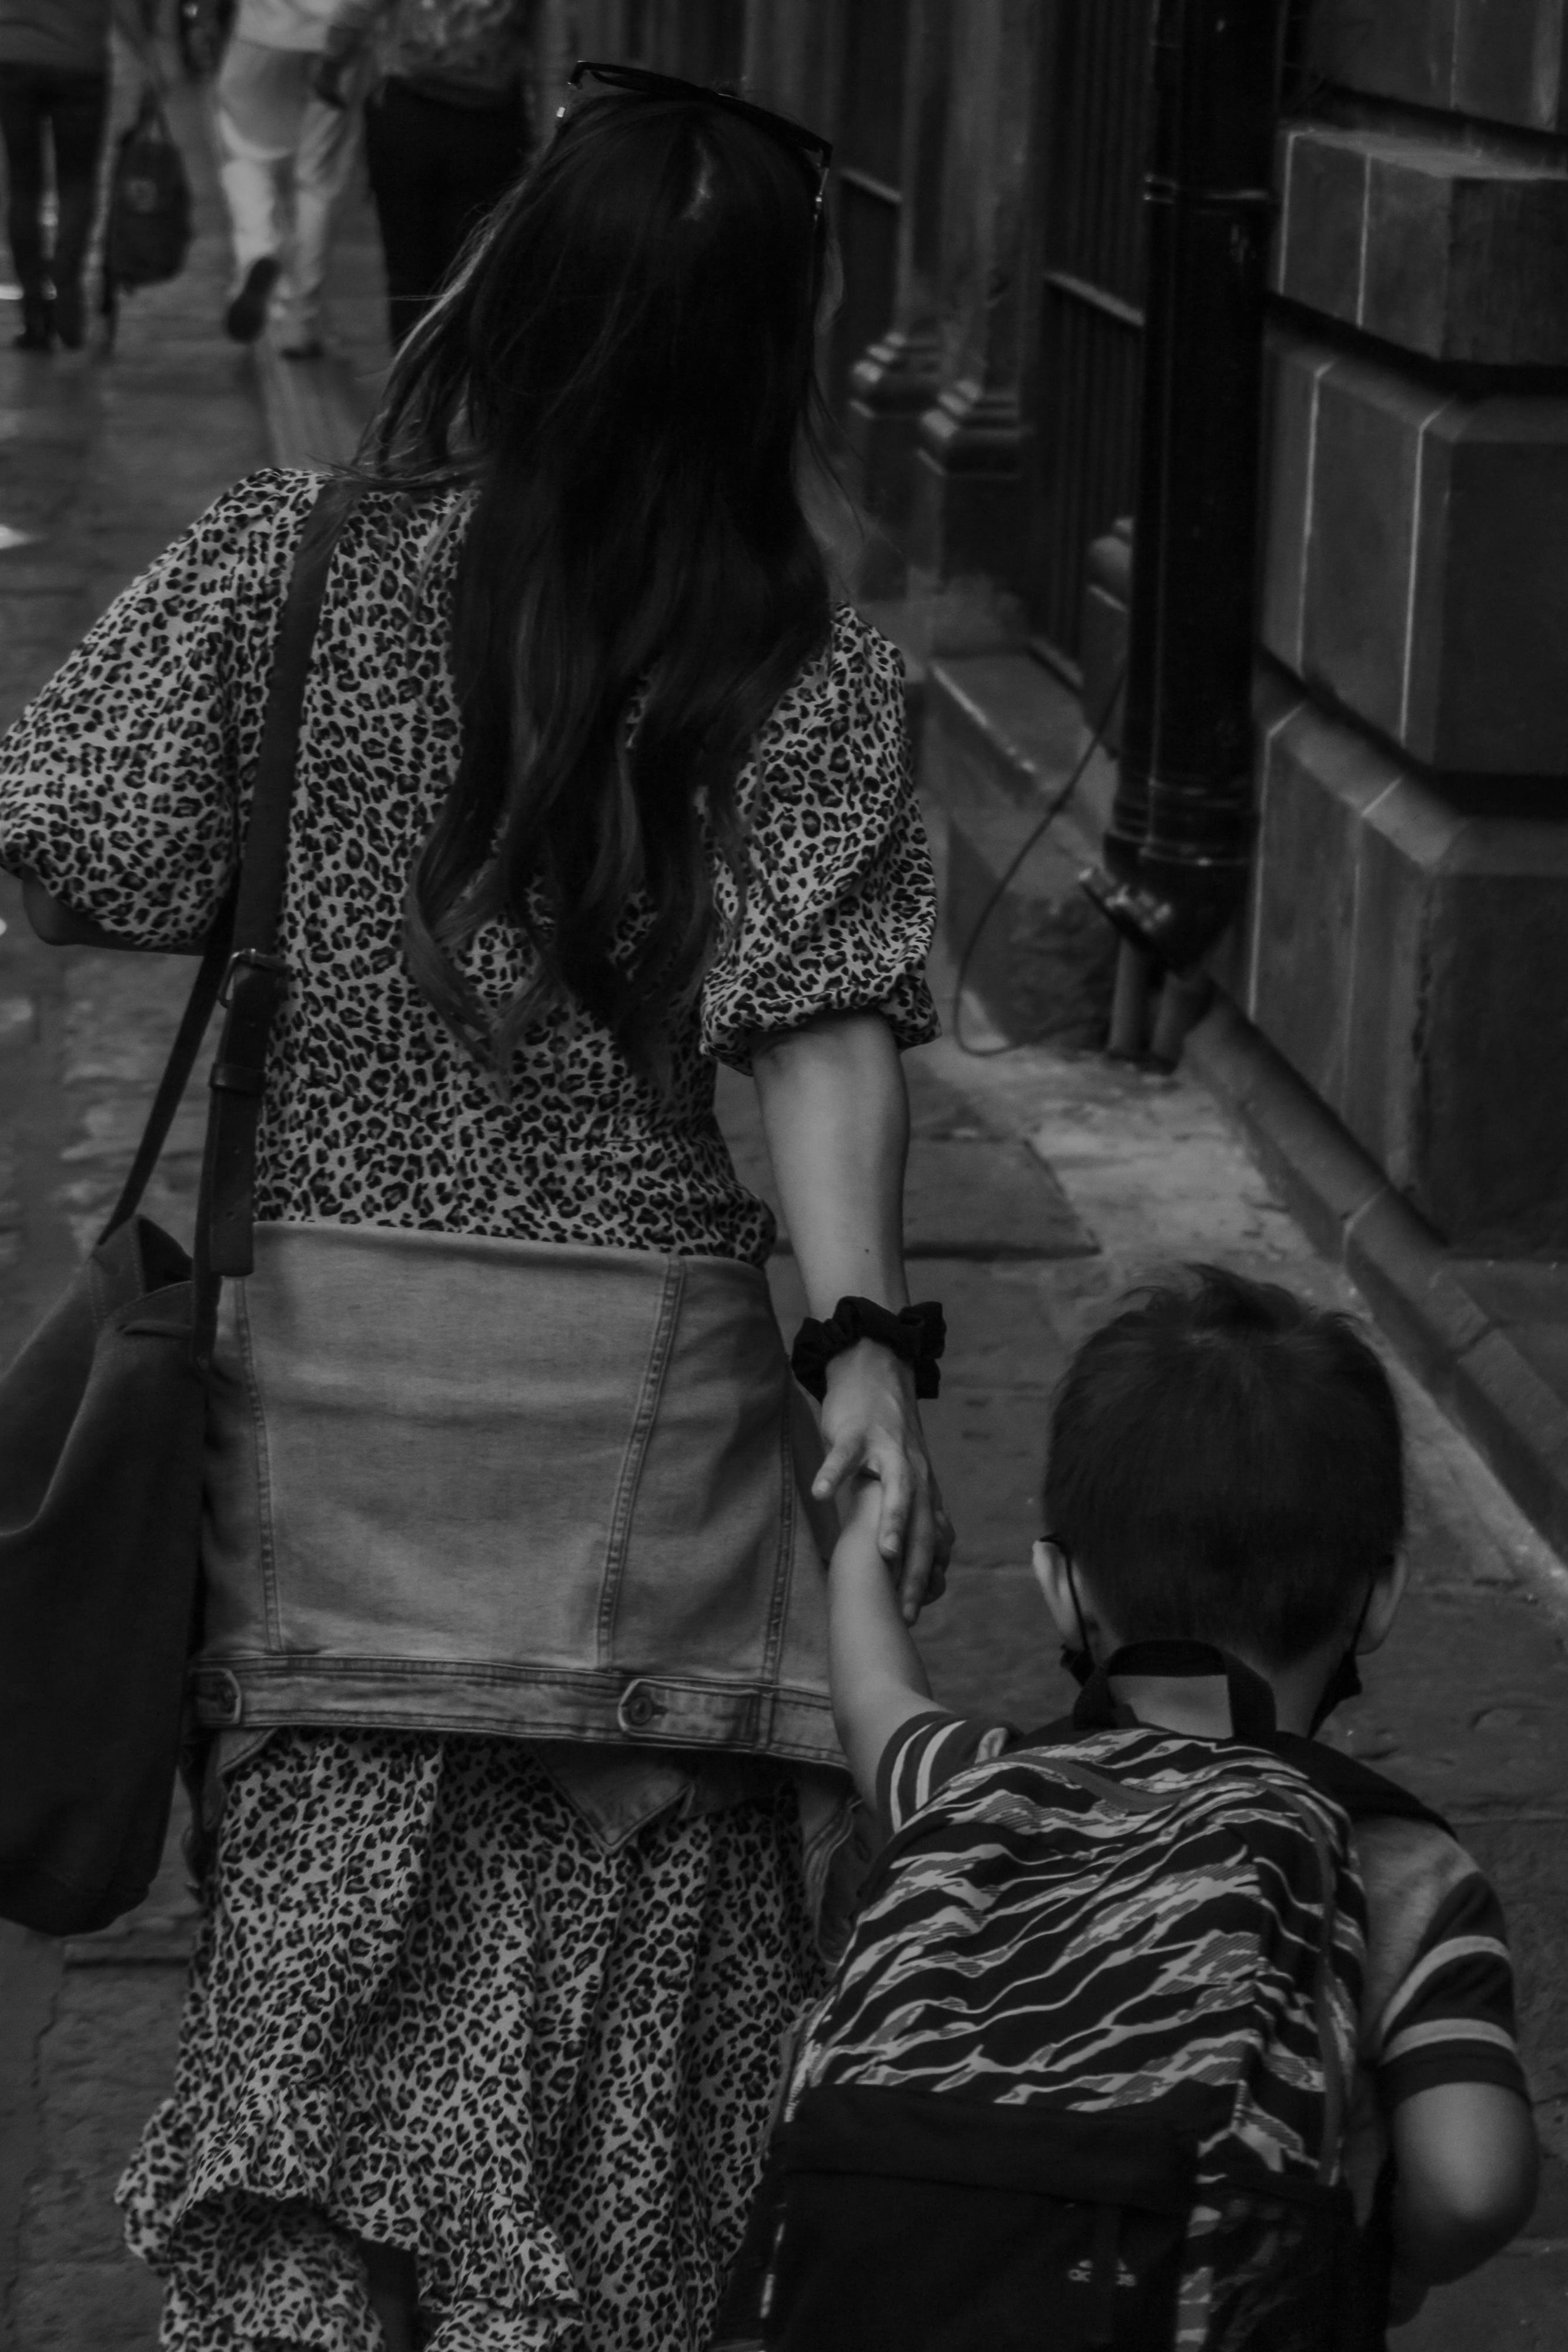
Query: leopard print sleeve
column 120, row 785
column 840, row 901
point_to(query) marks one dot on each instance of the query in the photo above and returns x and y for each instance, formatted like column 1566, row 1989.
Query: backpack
column 1082, row 2076
column 147, row 234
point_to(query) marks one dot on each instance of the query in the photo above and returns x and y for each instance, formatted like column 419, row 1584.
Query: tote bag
column 102, row 1418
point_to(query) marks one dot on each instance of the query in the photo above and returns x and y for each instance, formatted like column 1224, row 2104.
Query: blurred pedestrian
column 54, row 80
column 285, row 157
column 521, row 1771
column 447, row 130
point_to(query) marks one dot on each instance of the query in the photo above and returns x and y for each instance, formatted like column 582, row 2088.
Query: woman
column 514, row 1649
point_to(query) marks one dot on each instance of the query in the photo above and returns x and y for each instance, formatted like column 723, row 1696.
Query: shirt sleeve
column 120, row 785
column 924, row 1752
column 840, row 900
column 1450, row 2017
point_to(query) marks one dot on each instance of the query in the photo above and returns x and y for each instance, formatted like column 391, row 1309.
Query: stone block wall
column 1418, row 558
column 1402, row 946
column 1390, row 930
column 1493, row 60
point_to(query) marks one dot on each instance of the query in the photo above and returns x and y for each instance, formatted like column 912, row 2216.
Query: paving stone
column 1517, row 2303
column 991, row 1649
column 109, row 2307
column 1014, row 914
column 1470, row 1707
column 104, row 2063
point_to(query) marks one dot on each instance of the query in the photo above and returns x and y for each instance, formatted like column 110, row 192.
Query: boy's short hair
column 1227, row 1464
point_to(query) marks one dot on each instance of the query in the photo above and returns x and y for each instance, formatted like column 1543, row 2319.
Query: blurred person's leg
column 483, row 155
column 22, row 129
column 78, row 110
column 329, row 141
column 260, row 103
column 435, row 171
column 405, row 152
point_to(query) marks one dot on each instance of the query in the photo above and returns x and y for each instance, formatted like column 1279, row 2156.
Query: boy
column 1169, row 2026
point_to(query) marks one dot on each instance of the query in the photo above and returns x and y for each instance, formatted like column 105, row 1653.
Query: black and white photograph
column 784, row 1176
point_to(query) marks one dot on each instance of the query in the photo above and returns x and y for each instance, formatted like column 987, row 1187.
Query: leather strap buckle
column 259, row 960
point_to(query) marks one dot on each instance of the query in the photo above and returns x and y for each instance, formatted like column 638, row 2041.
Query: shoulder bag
column 102, row 1414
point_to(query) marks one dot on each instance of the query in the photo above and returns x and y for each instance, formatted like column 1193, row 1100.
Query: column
column 968, row 523
column 899, row 375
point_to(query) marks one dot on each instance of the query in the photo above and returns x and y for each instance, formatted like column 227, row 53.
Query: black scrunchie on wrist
column 916, row 1334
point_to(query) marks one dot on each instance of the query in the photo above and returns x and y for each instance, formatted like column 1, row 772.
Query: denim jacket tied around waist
column 549, row 1492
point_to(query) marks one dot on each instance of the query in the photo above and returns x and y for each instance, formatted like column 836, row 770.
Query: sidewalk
column 101, row 463
column 1042, row 1182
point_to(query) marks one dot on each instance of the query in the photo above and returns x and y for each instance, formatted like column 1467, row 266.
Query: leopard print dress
column 434, row 2005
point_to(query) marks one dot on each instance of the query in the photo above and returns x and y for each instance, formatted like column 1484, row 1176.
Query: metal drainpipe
column 1176, row 847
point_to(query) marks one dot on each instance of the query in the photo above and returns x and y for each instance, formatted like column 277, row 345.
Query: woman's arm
column 877, row 1677
column 836, row 1116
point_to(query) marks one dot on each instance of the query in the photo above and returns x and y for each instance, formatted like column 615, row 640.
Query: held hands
column 334, row 70
column 871, row 1426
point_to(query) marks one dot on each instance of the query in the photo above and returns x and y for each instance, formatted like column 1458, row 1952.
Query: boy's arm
column 878, row 1680
column 1466, row 2164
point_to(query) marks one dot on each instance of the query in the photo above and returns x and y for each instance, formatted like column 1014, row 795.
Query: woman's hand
column 836, row 1117
column 870, row 1424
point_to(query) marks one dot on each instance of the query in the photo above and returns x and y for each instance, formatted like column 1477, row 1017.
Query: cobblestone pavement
column 1040, row 1184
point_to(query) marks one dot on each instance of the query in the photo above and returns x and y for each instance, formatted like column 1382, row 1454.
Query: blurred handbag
column 147, row 228
column 102, row 1415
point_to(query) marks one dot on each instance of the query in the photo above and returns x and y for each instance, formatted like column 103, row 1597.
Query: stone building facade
column 1405, row 944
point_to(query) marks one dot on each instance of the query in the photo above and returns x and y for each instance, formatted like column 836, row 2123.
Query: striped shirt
column 1438, row 2005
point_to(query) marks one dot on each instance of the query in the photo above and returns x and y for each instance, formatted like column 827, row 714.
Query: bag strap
column 256, row 899
column 177, row 1070
column 256, row 978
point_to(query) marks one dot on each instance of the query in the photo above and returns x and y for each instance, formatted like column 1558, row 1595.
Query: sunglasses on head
column 589, row 79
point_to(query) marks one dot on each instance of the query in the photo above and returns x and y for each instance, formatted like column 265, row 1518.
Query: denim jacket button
column 220, row 1699
column 638, row 1707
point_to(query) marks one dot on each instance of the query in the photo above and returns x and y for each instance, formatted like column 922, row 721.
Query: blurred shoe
column 38, row 324
column 246, row 314
column 70, row 317
column 311, row 348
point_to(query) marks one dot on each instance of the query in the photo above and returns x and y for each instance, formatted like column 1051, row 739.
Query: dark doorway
column 1094, row 100
column 706, row 40
column 868, row 171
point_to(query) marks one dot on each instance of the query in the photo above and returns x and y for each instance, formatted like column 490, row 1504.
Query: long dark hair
column 625, row 372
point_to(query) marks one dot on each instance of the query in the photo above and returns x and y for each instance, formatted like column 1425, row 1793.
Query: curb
column 1468, row 1361
column 313, row 419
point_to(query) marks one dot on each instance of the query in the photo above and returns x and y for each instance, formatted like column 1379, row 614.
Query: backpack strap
column 1363, row 1794
column 1251, row 1700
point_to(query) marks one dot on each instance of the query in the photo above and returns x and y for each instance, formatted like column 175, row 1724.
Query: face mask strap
column 1079, row 1660
column 1344, row 1682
